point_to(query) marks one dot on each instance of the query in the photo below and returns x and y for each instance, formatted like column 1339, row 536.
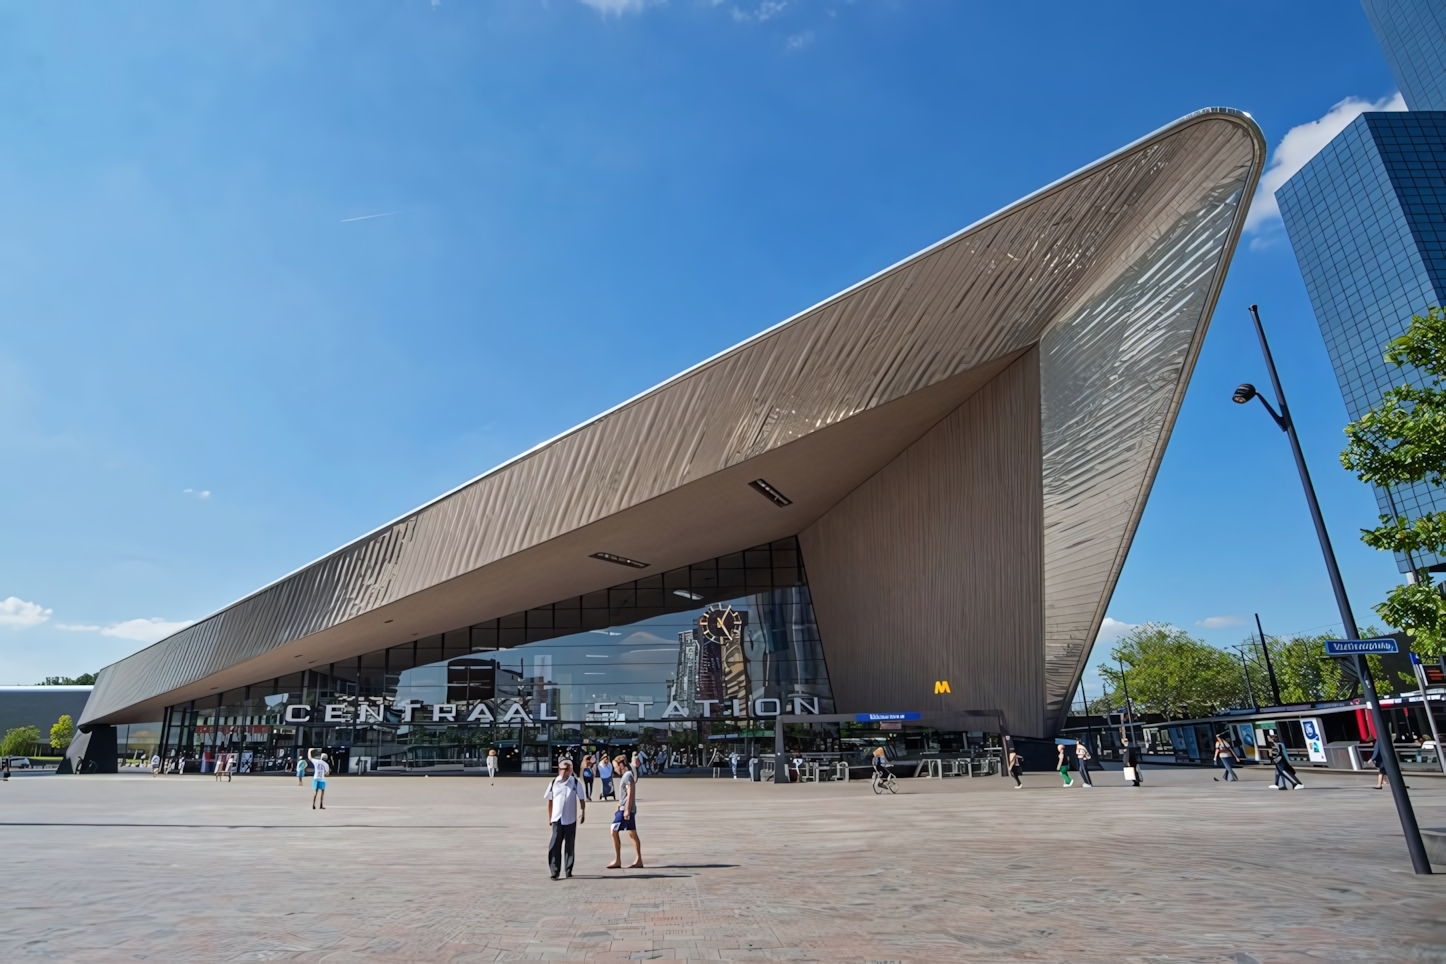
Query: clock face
column 720, row 624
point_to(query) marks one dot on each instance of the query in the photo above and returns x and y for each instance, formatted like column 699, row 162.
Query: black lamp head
column 1243, row 394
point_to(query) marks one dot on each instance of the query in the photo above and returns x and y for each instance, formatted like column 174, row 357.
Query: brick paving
column 135, row 868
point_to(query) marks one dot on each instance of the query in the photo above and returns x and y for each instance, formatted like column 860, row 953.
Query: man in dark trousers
column 565, row 810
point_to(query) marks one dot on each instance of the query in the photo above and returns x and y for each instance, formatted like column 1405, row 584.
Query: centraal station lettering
column 375, row 711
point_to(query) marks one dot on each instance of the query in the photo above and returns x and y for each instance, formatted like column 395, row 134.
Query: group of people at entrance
column 567, row 809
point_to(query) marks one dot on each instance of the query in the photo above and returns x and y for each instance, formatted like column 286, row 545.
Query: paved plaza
column 131, row 867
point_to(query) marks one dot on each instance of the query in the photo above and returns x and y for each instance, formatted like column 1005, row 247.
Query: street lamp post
column 1385, row 751
column 1129, row 703
column 1269, row 666
column 1245, row 669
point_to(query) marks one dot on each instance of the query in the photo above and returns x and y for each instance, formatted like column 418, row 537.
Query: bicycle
column 885, row 781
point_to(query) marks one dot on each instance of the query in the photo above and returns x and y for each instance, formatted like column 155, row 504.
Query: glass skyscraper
column 1412, row 33
column 1365, row 217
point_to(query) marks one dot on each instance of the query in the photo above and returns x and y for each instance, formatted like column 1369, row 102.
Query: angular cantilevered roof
column 1112, row 272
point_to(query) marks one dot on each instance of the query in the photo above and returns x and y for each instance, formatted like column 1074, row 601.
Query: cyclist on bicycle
column 883, row 767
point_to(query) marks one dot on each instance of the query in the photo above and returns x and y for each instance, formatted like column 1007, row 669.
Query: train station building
column 931, row 477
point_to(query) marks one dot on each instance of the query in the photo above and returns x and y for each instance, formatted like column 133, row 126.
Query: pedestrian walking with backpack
column 587, row 774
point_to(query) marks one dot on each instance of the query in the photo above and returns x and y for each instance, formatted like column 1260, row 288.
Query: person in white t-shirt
column 565, row 810
column 626, row 819
column 155, row 764
column 318, row 781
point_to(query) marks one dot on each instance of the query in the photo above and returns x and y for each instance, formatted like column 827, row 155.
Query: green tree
column 19, row 741
column 1168, row 671
column 62, row 732
column 1402, row 441
column 84, row 679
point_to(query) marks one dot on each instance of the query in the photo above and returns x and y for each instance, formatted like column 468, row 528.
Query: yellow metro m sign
column 941, row 686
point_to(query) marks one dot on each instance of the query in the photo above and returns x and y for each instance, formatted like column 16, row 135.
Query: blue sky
column 273, row 274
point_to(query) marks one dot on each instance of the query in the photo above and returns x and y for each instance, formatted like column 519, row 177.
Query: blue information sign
column 1353, row 647
column 884, row 717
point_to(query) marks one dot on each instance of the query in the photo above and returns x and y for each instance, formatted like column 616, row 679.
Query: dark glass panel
column 458, row 642
column 484, row 636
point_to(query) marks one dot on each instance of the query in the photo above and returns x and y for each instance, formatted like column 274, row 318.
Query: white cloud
column 618, row 7
column 146, row 630
column 1219, row 622
column 800, row 40
column 202, row 494
column 19, row 614
column 766, row 10
column 1299, row 145
column 1113, row 629
column 140, row 630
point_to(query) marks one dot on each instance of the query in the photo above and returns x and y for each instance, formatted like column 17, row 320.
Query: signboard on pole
column 1360, row 647
column 1314, row 739
column 884, row 717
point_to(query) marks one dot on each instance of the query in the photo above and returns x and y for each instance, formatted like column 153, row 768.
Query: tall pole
column 1090, row 727
column 1426, row 705
column 1269, row 666
column 1250, row 691
column 1129, row 703
column 1385, row 751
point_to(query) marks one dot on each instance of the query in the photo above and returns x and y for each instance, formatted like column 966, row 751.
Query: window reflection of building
column 636, row 642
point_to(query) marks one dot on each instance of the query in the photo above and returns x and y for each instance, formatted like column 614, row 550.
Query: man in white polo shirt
column 565, row 810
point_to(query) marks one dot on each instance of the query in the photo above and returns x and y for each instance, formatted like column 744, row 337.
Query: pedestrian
column 587, row 771
column 318, row 780
column 1378, row 760
column 5, row 770
column 300, row 769
column 1062, row 763
column 231, row 761
column 564, row 812
column 1130, row 754
column 1082, row 754
column 1225, row 756
column 716, row 763
column 155, row 764
column 605, row 774
column 626, row 818
column 882, row 767
column 1016, row 767
column 1283, row 770
column 637, row 767
column 492, row 765
column 733, row 759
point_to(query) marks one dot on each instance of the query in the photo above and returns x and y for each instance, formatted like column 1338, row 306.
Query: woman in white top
column 492, row 765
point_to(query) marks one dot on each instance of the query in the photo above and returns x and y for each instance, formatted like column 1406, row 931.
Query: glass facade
column 1365, row 218
column 698, row 657
column 1412, row 35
